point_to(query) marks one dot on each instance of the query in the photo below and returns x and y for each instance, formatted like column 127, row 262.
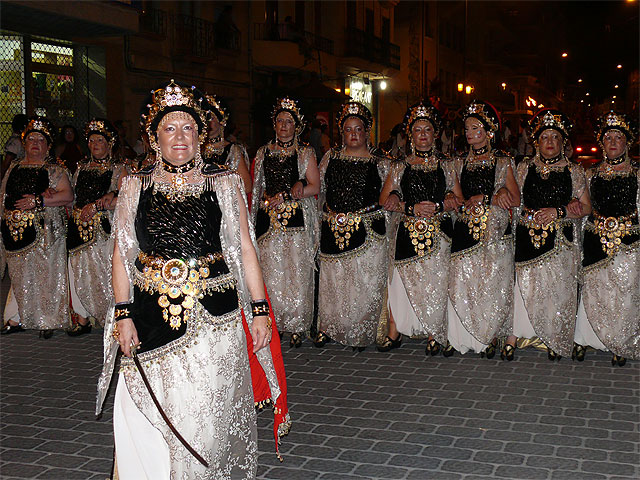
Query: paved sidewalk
column 362, row 415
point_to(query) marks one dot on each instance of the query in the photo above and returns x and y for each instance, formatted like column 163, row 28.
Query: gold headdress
column 174, row 98
column 553, row 119
column 420, row 111
column 100, row 126
column 616, row 121
column 41, row 125
column 216, row 107
column 486, row 113
column 290, row 105
column 354, row 109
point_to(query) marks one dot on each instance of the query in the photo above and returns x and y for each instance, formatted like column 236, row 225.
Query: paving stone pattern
column 367, row 415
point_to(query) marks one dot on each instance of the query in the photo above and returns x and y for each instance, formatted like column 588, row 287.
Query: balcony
column 284, row 32
column 371, row 48
column 189, row 36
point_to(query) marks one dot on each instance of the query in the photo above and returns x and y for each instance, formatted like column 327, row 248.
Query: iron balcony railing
column 285, row 32
column 369, row 47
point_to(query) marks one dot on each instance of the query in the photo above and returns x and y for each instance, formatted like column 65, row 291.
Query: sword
column 164, row 416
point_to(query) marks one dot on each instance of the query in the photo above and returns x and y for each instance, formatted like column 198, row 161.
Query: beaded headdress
column 616, row 121
column 354, row 109
column 100, row 126
column 217, row 108
column 174, row 98
column 420, row 111
column 553, row 119
column 485, row 112
column 291, row 106
column 41, row 125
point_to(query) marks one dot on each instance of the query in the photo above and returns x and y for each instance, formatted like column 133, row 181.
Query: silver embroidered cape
column 91, row 262
column 611, row 295
column 482, row 277
column 549, row 283
column 287, row 257
column 39, row 272
column 351, row 287
column 425, row 278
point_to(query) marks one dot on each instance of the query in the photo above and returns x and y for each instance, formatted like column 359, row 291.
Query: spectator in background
column 315, row 138
column 68, row 149
column 14, row 149
column 123, row 148
column 324, row 139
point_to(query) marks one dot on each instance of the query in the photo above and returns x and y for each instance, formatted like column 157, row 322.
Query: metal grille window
column 55, row 78
column 12, row 91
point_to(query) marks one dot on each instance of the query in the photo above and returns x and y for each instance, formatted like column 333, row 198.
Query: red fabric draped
column 261, row 390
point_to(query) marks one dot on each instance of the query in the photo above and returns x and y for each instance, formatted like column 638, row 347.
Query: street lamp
column 468, row 89
column 579, row 80
column 619, row 66
column 504, row 85
column 565, row 54
column 460, row 87
column 615, row 86
column 383, row 85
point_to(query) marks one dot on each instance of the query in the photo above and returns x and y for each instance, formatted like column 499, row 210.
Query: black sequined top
column 555, row 191
column 25, row 180
column 91, row 185
column 479, row 180
column 419, row 185
column 219, row 158
column 280, row 173
column 614, row 197
column 352, row 184
column 186, row 229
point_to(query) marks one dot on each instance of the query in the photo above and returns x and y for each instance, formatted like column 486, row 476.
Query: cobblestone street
column 362, row 415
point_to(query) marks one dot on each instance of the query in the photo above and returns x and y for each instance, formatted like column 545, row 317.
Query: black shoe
column 489, row 352
column 359, row 349
column 8, row 329
column 389, row 344
column 433, row 348
column 46, row 334
column 551, row 355
column 296, row 340
column 448, row 350
column 621, row 361
column 78, row 330
column 321, row 340
column 507, row 352
column 578, row 352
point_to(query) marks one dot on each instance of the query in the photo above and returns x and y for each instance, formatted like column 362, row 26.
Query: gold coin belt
column 422, row 232
column 281, row 213
column 537, row 239
column 476, row 218
column 17, row 221
column 86, row 229
column 179, row 283
column 611, row 230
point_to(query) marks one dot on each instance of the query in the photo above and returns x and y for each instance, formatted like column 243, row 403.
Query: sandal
column 578, row 352
column 489, row 352
column 296, row 340
column 389, row 343
column 321, row 340
column 507, row 352
column 448, row 350
column 433, row 348
column 621, row 361
column 551, row 355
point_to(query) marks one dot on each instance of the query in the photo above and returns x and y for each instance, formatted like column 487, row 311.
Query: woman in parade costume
column 221, row 151
column 89, row 240
column 416, row 187
column 34, row 193
column 285, row 216
column 184, row 268
column 353, row 239
column 547, row 247
column 609, row 311
column 481, row 276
